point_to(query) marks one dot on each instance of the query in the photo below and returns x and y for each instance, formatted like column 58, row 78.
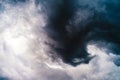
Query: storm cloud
column 59, row 39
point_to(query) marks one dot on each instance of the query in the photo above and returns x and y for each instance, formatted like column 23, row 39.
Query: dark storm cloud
column 72, row 24
column 75, row 23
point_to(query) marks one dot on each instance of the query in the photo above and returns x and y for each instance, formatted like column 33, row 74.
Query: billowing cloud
column 59, row 40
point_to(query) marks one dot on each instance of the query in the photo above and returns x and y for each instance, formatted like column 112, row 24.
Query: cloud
column 25, row 45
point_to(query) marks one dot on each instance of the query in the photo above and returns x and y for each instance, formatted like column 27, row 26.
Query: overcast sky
column 24, row 54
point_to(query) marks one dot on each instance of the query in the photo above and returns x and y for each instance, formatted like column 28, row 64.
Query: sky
column 59, row 40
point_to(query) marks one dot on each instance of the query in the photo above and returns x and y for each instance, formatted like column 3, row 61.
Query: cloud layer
column 59, row 40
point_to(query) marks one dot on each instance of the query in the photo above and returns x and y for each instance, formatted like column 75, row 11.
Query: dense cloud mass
column 59, row 40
